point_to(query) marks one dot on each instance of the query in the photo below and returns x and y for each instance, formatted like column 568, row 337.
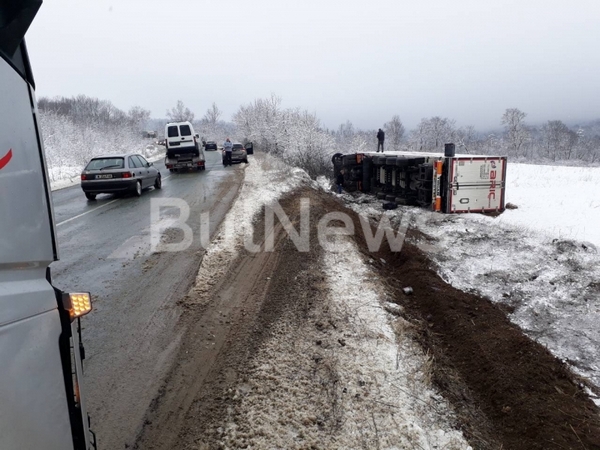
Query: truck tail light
column 77, row 303
column 127, row 175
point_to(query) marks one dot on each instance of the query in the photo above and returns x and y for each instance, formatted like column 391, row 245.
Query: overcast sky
column 356, row 60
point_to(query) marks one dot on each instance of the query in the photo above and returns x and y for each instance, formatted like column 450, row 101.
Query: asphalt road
column 132, row 335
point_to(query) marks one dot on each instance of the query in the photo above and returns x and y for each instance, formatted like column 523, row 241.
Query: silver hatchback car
column 118, row 174
column 238, row 154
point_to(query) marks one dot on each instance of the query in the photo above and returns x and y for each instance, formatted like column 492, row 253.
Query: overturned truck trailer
column 445, row 182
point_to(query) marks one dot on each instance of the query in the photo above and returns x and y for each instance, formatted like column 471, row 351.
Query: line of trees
column 77, row 127
column 299, row 138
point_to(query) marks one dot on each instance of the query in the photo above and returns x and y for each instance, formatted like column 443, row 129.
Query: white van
column 183, row 148
column 180, row 135
column 42, row 397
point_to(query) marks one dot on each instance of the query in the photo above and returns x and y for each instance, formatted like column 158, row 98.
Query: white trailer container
column 476, row 183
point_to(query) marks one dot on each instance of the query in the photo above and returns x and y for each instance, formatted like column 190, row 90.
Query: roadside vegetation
column 77, row 128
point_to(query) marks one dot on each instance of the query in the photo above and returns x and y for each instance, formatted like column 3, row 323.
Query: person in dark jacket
column 340, row 181
column 380, row 139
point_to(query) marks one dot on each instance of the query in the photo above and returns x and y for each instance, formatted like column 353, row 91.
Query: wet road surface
column 131, row 336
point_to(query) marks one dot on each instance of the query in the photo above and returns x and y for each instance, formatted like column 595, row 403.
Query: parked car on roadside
column 119, row 174
column 238, row 154
column 210, row 145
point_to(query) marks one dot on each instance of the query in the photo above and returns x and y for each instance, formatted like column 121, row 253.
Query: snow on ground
column 265, row 180
column 371, row 385
column 563, row 202
column 541, row 261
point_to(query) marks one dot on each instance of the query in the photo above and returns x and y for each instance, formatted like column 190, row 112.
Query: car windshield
column 105, row 163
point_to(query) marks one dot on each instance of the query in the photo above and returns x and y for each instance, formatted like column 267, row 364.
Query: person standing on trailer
column 380, row 139
column 228, row 148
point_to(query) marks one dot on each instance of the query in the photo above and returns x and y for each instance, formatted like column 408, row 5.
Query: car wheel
column 246, row 160
column 158, row 182
column 90, row 196
column 171, row 170
column 138, row 189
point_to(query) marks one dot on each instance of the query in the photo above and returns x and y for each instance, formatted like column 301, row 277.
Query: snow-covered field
column 562, row 202
column 541, row 260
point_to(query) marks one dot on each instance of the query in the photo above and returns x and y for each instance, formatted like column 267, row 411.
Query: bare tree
column 517, row 133
column 394, row 131
column 212, row 114
column 558, row 140
column 466, row 139
column 344, row 135
column 432, row 134
column 180, row 113
column 138, row 116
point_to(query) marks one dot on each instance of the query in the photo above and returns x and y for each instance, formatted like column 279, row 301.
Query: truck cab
column 42, row 401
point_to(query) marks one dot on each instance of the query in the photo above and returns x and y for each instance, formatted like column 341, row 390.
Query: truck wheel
column 138, row 189
column 158, row 182
column 381, row 195
column 90, row 196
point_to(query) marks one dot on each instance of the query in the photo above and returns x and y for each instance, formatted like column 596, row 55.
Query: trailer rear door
column 476, row 184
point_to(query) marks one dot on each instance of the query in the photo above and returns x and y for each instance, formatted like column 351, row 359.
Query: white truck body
column 41, row 399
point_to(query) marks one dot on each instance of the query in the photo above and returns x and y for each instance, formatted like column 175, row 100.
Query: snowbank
column 265, row 180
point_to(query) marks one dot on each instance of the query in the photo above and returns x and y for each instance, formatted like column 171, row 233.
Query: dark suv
column 210, row 145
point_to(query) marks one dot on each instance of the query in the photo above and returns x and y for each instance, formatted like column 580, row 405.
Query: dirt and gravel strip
column 290, row 349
